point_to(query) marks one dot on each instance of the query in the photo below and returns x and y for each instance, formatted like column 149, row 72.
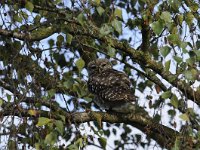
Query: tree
column 46, row 46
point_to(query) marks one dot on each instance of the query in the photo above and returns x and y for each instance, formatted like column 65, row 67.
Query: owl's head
column 98, row 66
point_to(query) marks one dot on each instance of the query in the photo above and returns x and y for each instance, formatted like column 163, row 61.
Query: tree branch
column 36, row 35
column 163, row 135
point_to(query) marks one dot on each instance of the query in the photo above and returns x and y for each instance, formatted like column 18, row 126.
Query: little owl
column 110, row 87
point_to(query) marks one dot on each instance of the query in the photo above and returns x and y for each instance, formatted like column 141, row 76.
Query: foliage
column 46, row 46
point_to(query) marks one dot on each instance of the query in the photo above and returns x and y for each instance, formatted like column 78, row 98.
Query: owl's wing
column 116, row 94
column 118, row 78
column 100, row 103
column 107, row 79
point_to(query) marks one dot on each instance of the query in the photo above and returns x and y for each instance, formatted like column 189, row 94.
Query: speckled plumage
column 111, row 87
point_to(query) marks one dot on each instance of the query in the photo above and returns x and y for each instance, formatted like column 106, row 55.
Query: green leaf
column 29, row 6
column 69, row 39
column 176, row 144
column 81, row 18
column 174, row 5
column 51, row 93
column 166, row 17
column 191, row 111
column 96, row 2
column 103, row 142
column 190, row 61
column 59, row 126
column 80, row 63
column 37, row 19
column 194, row 7
column 174, row 38
column 57, row 1
column 118, row 13
column 180, row 19
column 60, row 40
column 166, row 94
column 1, row 102
column 33, row 112
column 117, row 25
column 51, row 138
column 73, row 147
column 197, row 52
column 198, row 44
column 51, row 43
column 60, row 59
column 88, row 99
column 174, row 101
column 12, row 144
column 69, row 83
column 79, row 143
column 183, row 45
column 62, row 117
column 167, row 65
column 165, row 51
column 189, row 18
column 192, row 54
column 100, row 10
column 76, row 88
column 8, row 97
column 105, row 30
column 172, row 112
column 178, row 59
column 111, row 51
column 43, row 121
column 184, row 117
column 17, row 18
column 37, row 146
column 157, row 27
column 17, row 45
column 191, row 74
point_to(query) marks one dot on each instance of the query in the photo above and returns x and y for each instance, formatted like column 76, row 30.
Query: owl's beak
column 100, row 69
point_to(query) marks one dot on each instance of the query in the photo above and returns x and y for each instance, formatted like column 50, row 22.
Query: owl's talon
column 98, row 117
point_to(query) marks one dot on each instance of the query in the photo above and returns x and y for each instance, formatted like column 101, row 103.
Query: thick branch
column 34, row 36
column 163, row 135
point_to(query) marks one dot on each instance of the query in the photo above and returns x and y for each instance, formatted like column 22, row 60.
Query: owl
column 110, row 87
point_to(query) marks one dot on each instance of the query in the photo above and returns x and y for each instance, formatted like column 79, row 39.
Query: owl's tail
column 130, row 108
column 127, row 107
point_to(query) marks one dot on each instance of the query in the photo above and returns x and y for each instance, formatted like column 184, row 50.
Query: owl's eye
column 103, row 65
column 93, row 67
